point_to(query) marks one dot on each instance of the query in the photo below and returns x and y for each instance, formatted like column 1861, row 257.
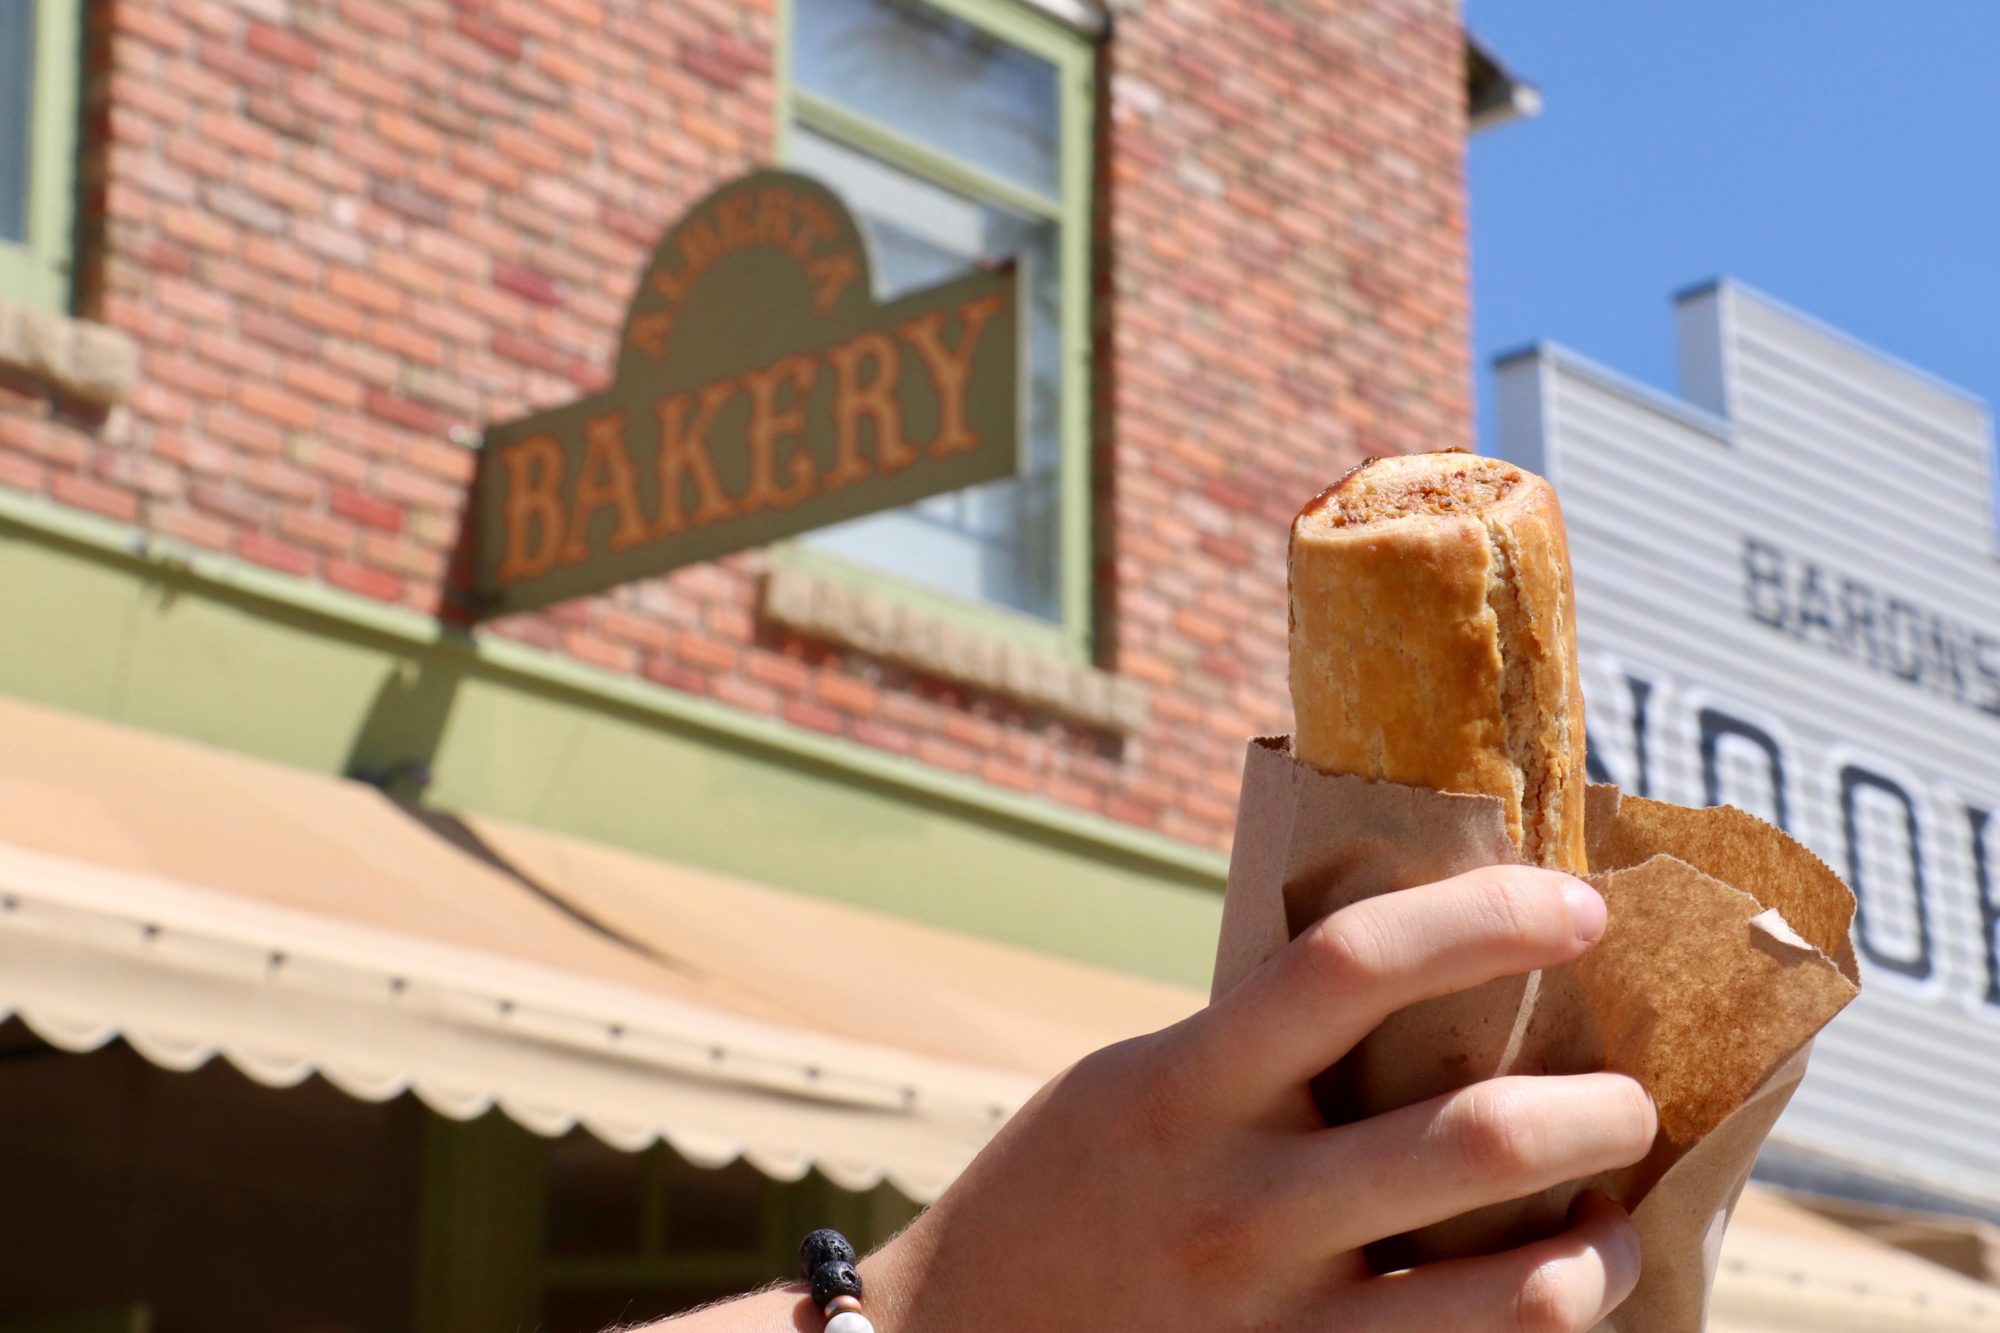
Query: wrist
column 899, row 1295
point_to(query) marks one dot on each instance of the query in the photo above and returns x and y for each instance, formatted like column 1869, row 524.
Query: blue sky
column 1840, row 155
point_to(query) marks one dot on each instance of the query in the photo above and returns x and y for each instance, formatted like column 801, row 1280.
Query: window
column 958, row 131
column 38, row 76
column 631, row 1237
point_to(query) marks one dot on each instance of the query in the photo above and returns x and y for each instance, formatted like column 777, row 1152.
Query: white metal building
column 1788, row 586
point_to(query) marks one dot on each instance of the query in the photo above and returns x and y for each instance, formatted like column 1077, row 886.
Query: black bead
column 823, row 1246
column 835, row 1277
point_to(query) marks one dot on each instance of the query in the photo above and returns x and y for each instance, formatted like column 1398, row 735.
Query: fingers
column 1311, row 1003
column 1566, row 1283
column 1502, row 1139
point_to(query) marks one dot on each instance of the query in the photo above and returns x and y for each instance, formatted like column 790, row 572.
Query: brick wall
column 343, row 230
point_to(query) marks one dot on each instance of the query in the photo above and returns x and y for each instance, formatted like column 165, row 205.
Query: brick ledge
column 894, row 632
column 78, row 357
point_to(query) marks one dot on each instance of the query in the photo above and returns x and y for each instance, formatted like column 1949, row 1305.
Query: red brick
column 804, row 713
column 239, row 67
column 314, row 380
column 364, row 290
column 151, row 479
column 95, row 496
column 197, row 228
column 254, row 433
column 280, row 258
column 281, row 479
column 415, row 488
column 528, row 149
column 362, row 579
column 598, row 651
column 282, row 44
column 323, row 312
column 239, row 135
column 317, row 530
column 1128, row 811
column 229, row 500
column 493, row 36
column 281, row 187
column 441, row 458
column 636, row 630
column 148, row 477
column 408, row 133
column 269, row 551
column 882, row 737
column 328, row 460
column 368, row 509
column 406, row 342
column 387, row 17
column 537, row 287
column 21, row 473
column 362, row 361
column 675, row 676
column 191, row 301
column 418, row 205
column 286, row 409
column 404, row 412
column 412, row 274
column 148, row 26
column 194, row 453
column 191, row 526
column 706, row 64
column 196, row 377
column 529, row 352
column 1003, row 774
column 402, row 557
column 944, row 754
column 707, row 652
column 282, row 114
column 785, row 673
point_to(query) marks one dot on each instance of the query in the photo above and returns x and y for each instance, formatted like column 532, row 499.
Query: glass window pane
column 716, row 1211
column 937, row 79
column 1000, row 542
column 595, row 1198
column 17, row 90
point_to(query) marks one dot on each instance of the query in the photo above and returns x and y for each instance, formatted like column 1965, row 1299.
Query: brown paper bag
column 1727, row 949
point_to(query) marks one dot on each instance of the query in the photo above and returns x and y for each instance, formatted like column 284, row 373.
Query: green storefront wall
column 101, row 620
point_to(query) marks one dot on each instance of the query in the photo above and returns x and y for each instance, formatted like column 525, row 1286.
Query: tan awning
column 1788, row 1270
column 196, row 902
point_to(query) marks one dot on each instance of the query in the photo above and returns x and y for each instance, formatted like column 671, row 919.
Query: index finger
column 1312, row 1002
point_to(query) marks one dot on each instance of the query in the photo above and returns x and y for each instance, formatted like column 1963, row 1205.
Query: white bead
column 849, row 1322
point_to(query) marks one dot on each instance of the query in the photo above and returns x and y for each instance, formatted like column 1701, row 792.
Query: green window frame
column 1074, row 56
column 36, row 272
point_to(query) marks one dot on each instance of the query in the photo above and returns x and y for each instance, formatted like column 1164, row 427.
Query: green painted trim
column 1025, row 27
column 781, row 133
column 1075, row 57
column 38, row 272
column 338, row 610
column 918, row 158
column 1079, row 158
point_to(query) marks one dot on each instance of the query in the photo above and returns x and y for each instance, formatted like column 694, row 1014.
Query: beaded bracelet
column 826, row 1263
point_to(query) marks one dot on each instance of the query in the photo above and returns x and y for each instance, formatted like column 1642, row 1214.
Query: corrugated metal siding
column 1836, row 457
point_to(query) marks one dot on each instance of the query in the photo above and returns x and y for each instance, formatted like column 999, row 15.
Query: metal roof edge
column 1624, row 386
column 1737, row 288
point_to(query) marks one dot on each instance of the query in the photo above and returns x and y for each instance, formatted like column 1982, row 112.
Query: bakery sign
column 1788, row 595
column 760, row 391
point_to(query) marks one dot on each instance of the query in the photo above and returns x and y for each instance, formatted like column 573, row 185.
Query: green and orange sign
column 761, row 391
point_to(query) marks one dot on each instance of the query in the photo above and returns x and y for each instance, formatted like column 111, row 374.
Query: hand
column 1185, row 1180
